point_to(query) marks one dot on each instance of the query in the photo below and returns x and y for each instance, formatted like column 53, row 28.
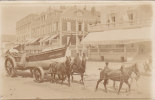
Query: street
column 26, row 88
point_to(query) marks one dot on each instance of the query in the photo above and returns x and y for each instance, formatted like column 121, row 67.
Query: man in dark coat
column 104, row 72
column 77, row 61
column 84, row 61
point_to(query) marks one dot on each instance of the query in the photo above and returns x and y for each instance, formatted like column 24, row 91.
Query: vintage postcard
column 76, row 50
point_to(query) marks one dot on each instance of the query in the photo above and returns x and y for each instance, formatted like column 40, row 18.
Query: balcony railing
column 120, row 25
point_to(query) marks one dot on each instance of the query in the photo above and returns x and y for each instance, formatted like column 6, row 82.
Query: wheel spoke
column 37, row 75
column 9, row 68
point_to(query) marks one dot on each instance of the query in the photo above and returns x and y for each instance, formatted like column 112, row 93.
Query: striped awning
column 52, row 37
column 34, row 40
column 124, row 36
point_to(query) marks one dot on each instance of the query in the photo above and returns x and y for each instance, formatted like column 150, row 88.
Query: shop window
column 73, row 40
column 80, row 27
column 113, row 19
column 68, row 26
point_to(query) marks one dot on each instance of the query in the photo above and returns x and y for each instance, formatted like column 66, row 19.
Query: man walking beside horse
column 79, row 65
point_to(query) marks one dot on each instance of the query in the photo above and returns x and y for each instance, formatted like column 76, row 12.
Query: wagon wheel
column 9, row 67
column 38, row 75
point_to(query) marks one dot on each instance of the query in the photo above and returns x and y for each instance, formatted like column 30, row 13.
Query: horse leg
column 114, row 85
column 98, row 83
column 120, row 86
column 105, row 83
column 62, row 78
column 72, row 77
column 52, row 76
column 82, row 77
column 128, row 84
column 68, row 79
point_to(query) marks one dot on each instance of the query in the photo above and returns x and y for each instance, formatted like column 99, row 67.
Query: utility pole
column 60, row 31
column 83, row 32
column 76, row 36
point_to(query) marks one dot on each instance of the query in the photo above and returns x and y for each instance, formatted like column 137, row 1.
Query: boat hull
column 53, row 54
column 43, row 59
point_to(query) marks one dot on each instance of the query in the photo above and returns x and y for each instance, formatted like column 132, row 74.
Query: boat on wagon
column 37, row 63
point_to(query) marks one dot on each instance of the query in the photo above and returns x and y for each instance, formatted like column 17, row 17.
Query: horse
column 79, row 69
column 62, row 69
column 117, row 75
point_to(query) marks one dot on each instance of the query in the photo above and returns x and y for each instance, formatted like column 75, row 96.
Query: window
column 113, row 19
column 79, row 14
column 54, row 27
column 130, row 16
column 68, row 26
column 120, row 46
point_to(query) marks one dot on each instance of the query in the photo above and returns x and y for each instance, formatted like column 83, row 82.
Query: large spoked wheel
column 38, row 75
column 9, row 67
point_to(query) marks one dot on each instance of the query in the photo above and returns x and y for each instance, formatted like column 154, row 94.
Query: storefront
column 117, row 44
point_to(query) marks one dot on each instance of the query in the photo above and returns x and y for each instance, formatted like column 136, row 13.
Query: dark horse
column 62, row 70
column 117, row 75
column 79, row 69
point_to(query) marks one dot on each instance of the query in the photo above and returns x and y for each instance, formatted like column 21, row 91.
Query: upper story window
column 113, row 19
column 130, row 16
column 79, row 14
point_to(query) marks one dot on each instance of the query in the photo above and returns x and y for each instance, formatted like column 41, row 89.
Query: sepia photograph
column 76, row 50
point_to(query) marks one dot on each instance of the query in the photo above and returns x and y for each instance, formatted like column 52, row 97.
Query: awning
column 16, row 46
column 124, row 36
column 52, row 37
column 34, row 41
column 29, row 41
column 45, row 38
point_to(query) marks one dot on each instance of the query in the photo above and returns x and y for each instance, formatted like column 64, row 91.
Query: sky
column 10, row 13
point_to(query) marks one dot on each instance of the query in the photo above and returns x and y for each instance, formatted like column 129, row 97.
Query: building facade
column 115, row 18
column 123, row 17
column 61, row 22
column 23, row 28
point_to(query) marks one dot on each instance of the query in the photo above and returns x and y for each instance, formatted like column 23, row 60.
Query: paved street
column 26, row 88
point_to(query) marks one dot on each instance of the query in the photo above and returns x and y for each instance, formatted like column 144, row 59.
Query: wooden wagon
column 38, row 64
